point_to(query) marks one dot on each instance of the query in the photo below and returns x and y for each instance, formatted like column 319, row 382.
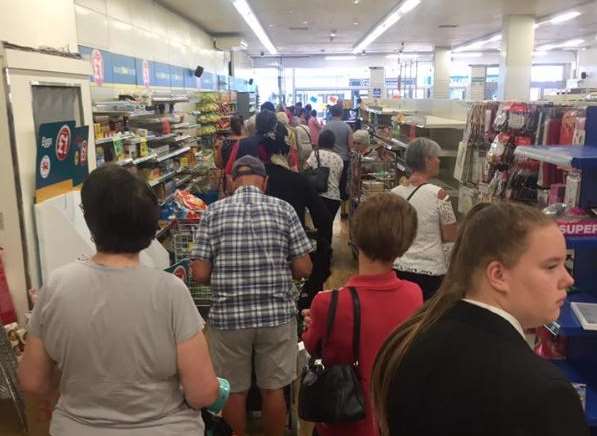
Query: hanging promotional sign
column 97, row 63
column 146, row 75
column 62, row 158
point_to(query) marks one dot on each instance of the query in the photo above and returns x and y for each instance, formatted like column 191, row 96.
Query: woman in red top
column 384, row 228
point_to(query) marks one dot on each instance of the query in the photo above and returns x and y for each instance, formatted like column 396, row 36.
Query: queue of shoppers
column 116, row 348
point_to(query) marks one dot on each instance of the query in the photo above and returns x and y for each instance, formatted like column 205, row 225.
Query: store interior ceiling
column 316, row 27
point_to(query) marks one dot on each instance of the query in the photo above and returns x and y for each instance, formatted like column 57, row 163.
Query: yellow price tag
column 143, row 149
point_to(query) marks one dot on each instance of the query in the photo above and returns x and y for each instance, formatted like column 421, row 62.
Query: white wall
column 35, row 23
column 146, row 30
column 242, row 65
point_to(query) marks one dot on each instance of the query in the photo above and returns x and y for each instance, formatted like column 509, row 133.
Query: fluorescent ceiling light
column 473, row 46
column 566, row 44
column 573, row 43
column 547, row 47
column 467, row 55
column 402, row 56
column 408, row 6
column 122, row 26
column 386, row 23
column 476, row 45
column 566, row 16
column 340, row 58
column 245, row 11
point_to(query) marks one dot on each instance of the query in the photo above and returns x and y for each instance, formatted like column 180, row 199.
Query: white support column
column 441, row 72
column 377, row 82
column 518, row 41
column 478, row 82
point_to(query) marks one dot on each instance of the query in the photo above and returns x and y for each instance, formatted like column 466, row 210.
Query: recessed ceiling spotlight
column 333, row 33
column 355, row 22
column 305, row 22
column 356, row 2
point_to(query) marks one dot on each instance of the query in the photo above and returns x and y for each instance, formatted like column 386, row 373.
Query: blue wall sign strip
column 119, row 69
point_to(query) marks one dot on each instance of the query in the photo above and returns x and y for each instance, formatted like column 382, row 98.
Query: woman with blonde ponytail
column 461, row 365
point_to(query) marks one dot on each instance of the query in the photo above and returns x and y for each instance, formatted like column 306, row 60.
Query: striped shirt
column 250, row 239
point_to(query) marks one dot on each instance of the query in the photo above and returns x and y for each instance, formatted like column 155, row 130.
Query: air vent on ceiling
column 448, row 26
column 303, row 28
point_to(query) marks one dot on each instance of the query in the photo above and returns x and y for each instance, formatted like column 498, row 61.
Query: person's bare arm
column 218, row 160
column 201, row 270
column 301, row 267
column 196, row 371
column 37, row 372
column 449, row 232
column 350, row 140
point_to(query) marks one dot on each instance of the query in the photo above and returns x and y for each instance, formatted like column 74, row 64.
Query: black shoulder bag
column 318, row 177
column 333, row 394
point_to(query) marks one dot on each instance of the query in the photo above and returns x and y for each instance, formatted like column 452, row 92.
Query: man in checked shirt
column 250, row 246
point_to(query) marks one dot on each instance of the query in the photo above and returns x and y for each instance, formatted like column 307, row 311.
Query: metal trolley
column 371, row 176
column 183, row 232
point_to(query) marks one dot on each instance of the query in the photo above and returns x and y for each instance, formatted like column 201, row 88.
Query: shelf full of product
column 159, row 144
column 545, row 155
column 214, row 111
column 395, row 128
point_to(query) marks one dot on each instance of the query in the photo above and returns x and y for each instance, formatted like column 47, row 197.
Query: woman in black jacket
column 461, row 365
column 295, row 189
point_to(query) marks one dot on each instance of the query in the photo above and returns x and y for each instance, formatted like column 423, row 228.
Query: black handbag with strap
column 333, row 394
column 318, row 177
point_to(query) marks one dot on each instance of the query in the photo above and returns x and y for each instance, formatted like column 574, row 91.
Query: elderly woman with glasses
column 425, row 262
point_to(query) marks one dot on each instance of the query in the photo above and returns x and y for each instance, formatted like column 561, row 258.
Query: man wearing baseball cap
column 250, row 246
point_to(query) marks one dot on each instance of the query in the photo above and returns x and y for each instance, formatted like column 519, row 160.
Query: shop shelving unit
column 581, row 363
column 246, row 103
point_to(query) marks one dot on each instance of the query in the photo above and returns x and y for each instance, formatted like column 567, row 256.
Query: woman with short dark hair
column 384, row 226
column 114, row 338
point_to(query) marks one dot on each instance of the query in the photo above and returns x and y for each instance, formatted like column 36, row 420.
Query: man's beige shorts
column 275, row 356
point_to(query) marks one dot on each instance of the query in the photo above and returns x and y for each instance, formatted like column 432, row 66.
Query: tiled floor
column 343, row 267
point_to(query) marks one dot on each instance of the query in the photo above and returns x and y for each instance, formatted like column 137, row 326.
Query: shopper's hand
column 306, row 318
column 33, row 294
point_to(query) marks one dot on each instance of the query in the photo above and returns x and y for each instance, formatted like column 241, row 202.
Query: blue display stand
column 581, row 364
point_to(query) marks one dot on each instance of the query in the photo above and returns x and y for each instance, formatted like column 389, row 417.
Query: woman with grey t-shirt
column 116, row 339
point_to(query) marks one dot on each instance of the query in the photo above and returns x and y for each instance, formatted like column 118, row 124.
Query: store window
column 547, row 73
column 266, row 80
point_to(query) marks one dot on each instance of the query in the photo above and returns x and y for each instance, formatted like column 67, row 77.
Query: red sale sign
column 63, row 140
